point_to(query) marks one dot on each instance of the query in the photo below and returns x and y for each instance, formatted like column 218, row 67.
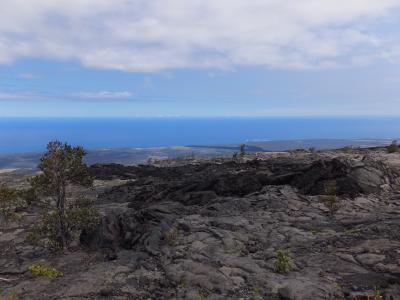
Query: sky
column 199, row 58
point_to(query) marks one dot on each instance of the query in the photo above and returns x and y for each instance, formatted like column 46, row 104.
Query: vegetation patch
column 347, row 149
column 393, row 147
column 80, row 215
column 205, row 293
column 376, row 295
column 257, row 292
column 9, row 297
column 42, row 269
column 316, row 231
column 171, row 236
column 183, row 284
column 283, row 262
column 34, row 238
column 353, row 232
column 331, row 200
column 9, row 202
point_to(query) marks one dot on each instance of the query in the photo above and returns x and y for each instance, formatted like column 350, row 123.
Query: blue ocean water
column 28, row 135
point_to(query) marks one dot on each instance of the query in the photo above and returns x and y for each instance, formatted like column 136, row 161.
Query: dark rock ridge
column 212, row 231
column 311, row 176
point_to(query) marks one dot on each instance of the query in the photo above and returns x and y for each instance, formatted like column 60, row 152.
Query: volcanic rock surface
column 211, row 230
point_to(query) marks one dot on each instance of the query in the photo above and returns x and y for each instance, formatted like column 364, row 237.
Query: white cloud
column 105, row 95
column 20, row 95
column 151, row 35
column 82, row 96
column 28, row 75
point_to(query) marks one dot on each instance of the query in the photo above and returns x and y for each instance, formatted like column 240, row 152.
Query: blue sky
column 200, row 58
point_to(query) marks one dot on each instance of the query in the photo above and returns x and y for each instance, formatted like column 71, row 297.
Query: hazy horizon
column 32, row 134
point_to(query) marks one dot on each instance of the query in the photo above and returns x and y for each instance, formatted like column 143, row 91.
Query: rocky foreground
column 212, row 229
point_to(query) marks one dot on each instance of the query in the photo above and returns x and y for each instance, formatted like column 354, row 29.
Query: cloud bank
column 105, row 95
column 80, row 96
column 153, row 35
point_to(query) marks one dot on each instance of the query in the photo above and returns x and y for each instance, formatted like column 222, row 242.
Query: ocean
column 32, row 134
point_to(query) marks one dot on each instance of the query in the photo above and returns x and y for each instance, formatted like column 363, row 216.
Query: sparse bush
column 242, row 150
column 376, row 295
column 353, row 232
column 43, row 269
column 204, row 293
column 347, row 149
column 171, row 236
column 331, row 201
column 9, row 202
column 49, row 229
column 393, row 147
column 28, row 195
column 331, row 188
column 9, row 297
column 82, row 215
column 283, row 263
column 183, row 284
column 316, row 231
column 235, row 156
column 312, row 149
column 34, row 238
column 257, row 292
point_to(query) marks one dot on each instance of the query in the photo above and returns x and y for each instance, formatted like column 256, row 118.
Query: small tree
column 60, row 166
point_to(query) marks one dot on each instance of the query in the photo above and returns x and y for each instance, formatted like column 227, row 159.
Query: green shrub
column 81, row 215
column 393, row 147
column 9, row 297
column 353, row 232
column 257, row 292
column 49, row 228
column 42, row 269
column 283, row 262
column 331, row 201
column 9, row 202
column 33, row 238
column 376, row 294
column 316, row 231
column 183, row 284
column 28, row 195
column 205, row 293
column 331, row 188
column 347, row 149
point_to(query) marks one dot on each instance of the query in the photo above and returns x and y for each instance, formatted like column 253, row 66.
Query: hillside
column 222, row 229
